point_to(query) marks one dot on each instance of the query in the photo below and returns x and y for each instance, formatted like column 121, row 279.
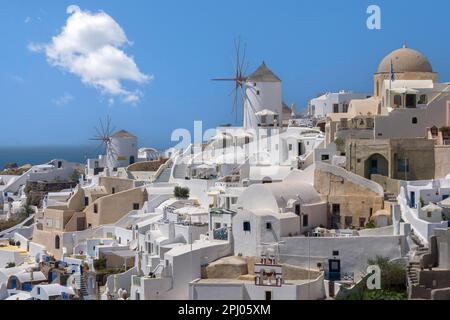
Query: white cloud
column 65, row 99
column 91, row 46
column 27, row 19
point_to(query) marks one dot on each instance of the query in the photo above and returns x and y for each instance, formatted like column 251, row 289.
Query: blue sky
column 313, row 46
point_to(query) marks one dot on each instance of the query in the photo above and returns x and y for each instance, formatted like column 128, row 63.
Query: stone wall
column 150, row 166
column 419, row 151
column 442, row 160
column 355, row 199
column 389, row 185
column 39, row 189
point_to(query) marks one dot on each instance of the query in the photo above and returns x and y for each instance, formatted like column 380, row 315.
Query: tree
column 181, row 193
column 393, row 275
column 75, row 176
column 340, row 142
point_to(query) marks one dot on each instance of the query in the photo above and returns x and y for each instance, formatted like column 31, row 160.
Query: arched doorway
column 132, row 160
column 376, row 164
column 57, row 242
column 267, row 180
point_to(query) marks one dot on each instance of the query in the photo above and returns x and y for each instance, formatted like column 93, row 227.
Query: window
column 39, row 291
column 290, row 147
column 348, row 221
column 269, row 225
column 415, row 120
column 325, row 157
column 305, row 220
column 336, row 108
column 397, row 100
column 335, row 253
column 258, row 93
column 135, row 206
column 345, row 108
column 247, row 226
column 268, row 295
column 403, row 165
column 410, row 100
column 297, row 209
column 362, row 222
column 217, row 226
column 336, row 208
column 96, row 165
column 247, row 140
column 263, row 119
column 95, row 208
column 423, row 99
column 113, row 190
column 434, row 131
column 86, row 201
column 429, row 214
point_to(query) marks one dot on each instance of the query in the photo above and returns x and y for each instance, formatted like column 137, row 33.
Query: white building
column 268, row 212
column 417, row 201
column 330, row 102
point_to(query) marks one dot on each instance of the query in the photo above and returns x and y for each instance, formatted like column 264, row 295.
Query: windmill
column 239, row 78
column 104, row 132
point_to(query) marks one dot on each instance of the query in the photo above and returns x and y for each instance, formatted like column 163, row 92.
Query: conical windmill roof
column 263, row 74
column 123, row 134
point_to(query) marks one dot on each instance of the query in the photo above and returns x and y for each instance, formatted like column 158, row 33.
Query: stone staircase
column 81, row 284
column 418, row 242
column 165, row 175
column 415, row 289
column 413, row 269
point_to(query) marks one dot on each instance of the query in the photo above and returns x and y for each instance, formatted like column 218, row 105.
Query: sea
column 40, row 154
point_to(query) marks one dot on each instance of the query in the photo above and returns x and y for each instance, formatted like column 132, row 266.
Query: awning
column 266, row 112
column 405, row 91
column 222, row 136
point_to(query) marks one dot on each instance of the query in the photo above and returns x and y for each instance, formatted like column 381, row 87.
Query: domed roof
column 405, row 60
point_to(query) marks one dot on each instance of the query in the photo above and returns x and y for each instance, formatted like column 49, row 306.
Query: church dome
column 405, row 60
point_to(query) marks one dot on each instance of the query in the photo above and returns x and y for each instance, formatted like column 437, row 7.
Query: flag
column 392, row 71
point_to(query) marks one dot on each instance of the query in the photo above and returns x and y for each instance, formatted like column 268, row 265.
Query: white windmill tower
column 121, row 147
column 261, row 93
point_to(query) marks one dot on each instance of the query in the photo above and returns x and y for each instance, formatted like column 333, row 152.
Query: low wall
column 123, row 280
column 236, row 290
column 354, row 252
column 389, row 185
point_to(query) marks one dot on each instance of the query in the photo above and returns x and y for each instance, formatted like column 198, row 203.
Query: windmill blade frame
column 239, row 78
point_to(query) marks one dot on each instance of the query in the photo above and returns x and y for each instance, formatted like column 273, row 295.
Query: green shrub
column 181, row 193
column 100, row 264
column 371, row 225
column 75, row 176
column 339, row 142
